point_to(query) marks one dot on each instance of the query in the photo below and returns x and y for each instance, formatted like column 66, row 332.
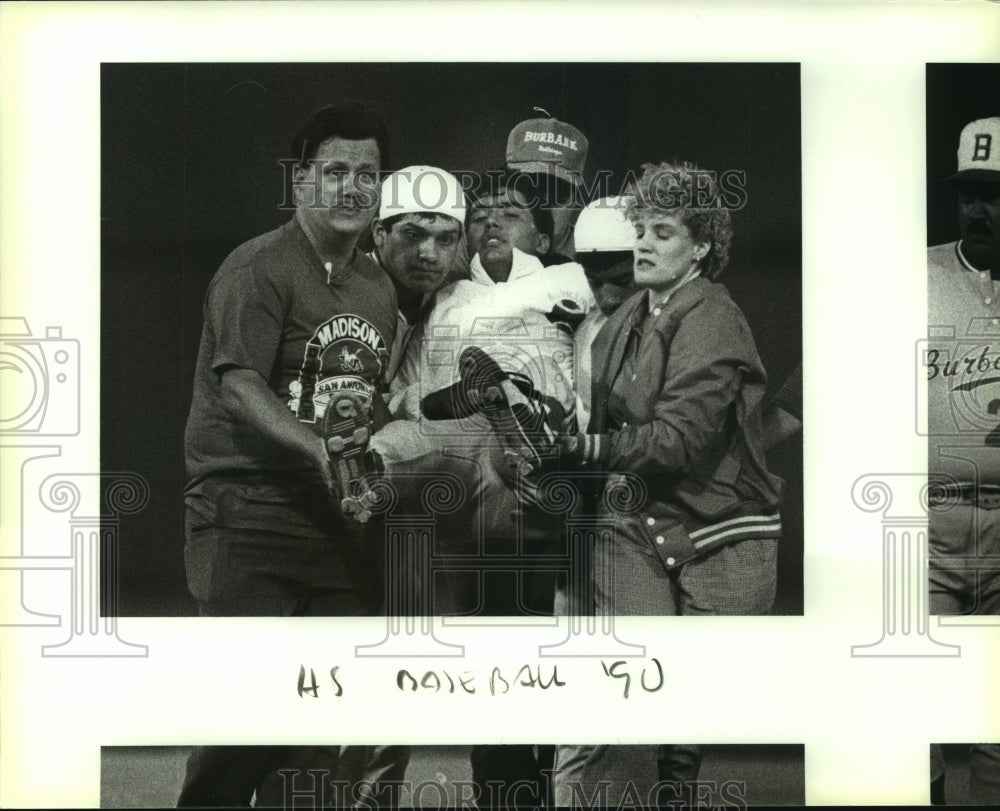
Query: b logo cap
column 979, row 152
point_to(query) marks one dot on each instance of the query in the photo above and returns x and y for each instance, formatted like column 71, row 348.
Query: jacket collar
column 522, row 265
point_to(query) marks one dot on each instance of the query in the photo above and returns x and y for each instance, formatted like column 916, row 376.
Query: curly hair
column 674, row 188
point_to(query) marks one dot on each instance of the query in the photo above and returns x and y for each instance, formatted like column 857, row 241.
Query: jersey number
column 993, row 437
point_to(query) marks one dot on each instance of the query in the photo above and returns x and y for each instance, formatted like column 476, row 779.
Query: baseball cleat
column 346, row 430
column 520, row 416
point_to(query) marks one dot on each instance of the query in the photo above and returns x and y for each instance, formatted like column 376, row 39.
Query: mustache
column 979, row 227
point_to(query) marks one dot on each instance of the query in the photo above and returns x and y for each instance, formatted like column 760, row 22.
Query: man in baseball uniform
column 962, row 363
column 290, row 371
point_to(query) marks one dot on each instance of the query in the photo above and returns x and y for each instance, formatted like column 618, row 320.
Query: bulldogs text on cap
column 548, row 145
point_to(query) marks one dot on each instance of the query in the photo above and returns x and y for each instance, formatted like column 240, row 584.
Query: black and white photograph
column 963, row 320
column 543, row 172
column 497, row 405
column 965, row 774
column 449, row 777
column 962, row 356
column 450, row 378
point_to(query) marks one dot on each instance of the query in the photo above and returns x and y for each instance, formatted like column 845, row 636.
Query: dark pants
column 957, row 538
column 513, row 587
column 236, row 572
column 511, row 776
column 222, row 776
column 315, row 776
column 240, row 572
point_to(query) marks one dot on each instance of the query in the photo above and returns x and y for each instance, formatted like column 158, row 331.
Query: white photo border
column 866, row 722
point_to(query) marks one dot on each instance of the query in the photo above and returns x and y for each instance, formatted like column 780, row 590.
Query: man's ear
column 378, row 233
column 298, row 179
column 543, row 243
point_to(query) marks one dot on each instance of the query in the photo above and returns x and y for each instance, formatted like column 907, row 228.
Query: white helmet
column 602, row 226
column 422, row 190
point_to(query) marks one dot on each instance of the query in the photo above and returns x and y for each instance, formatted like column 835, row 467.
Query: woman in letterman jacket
column 677, row 385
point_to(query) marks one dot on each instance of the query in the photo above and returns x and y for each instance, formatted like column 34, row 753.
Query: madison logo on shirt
column 346, row 353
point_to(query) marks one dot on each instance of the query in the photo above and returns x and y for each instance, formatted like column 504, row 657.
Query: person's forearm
column 249, row 400
column 779, row 426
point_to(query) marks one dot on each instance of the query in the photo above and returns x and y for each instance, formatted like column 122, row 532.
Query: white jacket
column 509, row 320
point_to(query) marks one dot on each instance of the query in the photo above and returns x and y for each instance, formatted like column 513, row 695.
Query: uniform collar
column 329, row 274
column 965, row 263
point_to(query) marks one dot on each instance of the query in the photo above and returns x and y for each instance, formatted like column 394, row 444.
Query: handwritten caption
column 627, row 677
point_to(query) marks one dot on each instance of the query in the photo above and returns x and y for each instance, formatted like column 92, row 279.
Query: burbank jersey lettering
column 347, row 353
column 969, row 371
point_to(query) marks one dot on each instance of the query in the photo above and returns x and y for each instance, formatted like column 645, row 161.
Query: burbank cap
column 979, row 152
column 422, row 190
column 550, row 146
column 603, row 226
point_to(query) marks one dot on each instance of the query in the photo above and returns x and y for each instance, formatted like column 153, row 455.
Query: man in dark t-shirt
column 298, row 326
column 294, row 319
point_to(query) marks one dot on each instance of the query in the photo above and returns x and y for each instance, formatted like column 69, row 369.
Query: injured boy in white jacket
column 522, row 315
column 526, row 324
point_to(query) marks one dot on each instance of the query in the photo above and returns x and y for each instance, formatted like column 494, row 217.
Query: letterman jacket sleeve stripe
column 732, row 522
column 593, row 449
column 772, row 530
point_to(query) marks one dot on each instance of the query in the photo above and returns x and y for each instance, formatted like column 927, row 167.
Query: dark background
column 769, row 775
column 190, row 169
column 956, row 95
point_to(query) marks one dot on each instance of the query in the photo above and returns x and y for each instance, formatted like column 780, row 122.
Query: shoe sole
column 346, row 430
column 482, row 381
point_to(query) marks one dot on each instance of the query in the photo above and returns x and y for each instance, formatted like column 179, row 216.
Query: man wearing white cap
column 604, row 242
column 417, row 235
column 511, row 304
column 963, row 299
column 512, row 308
column 963, row 387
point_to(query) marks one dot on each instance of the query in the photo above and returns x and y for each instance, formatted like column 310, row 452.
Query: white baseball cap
column 979, row 152
column 603, row 226
column 422, row 190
